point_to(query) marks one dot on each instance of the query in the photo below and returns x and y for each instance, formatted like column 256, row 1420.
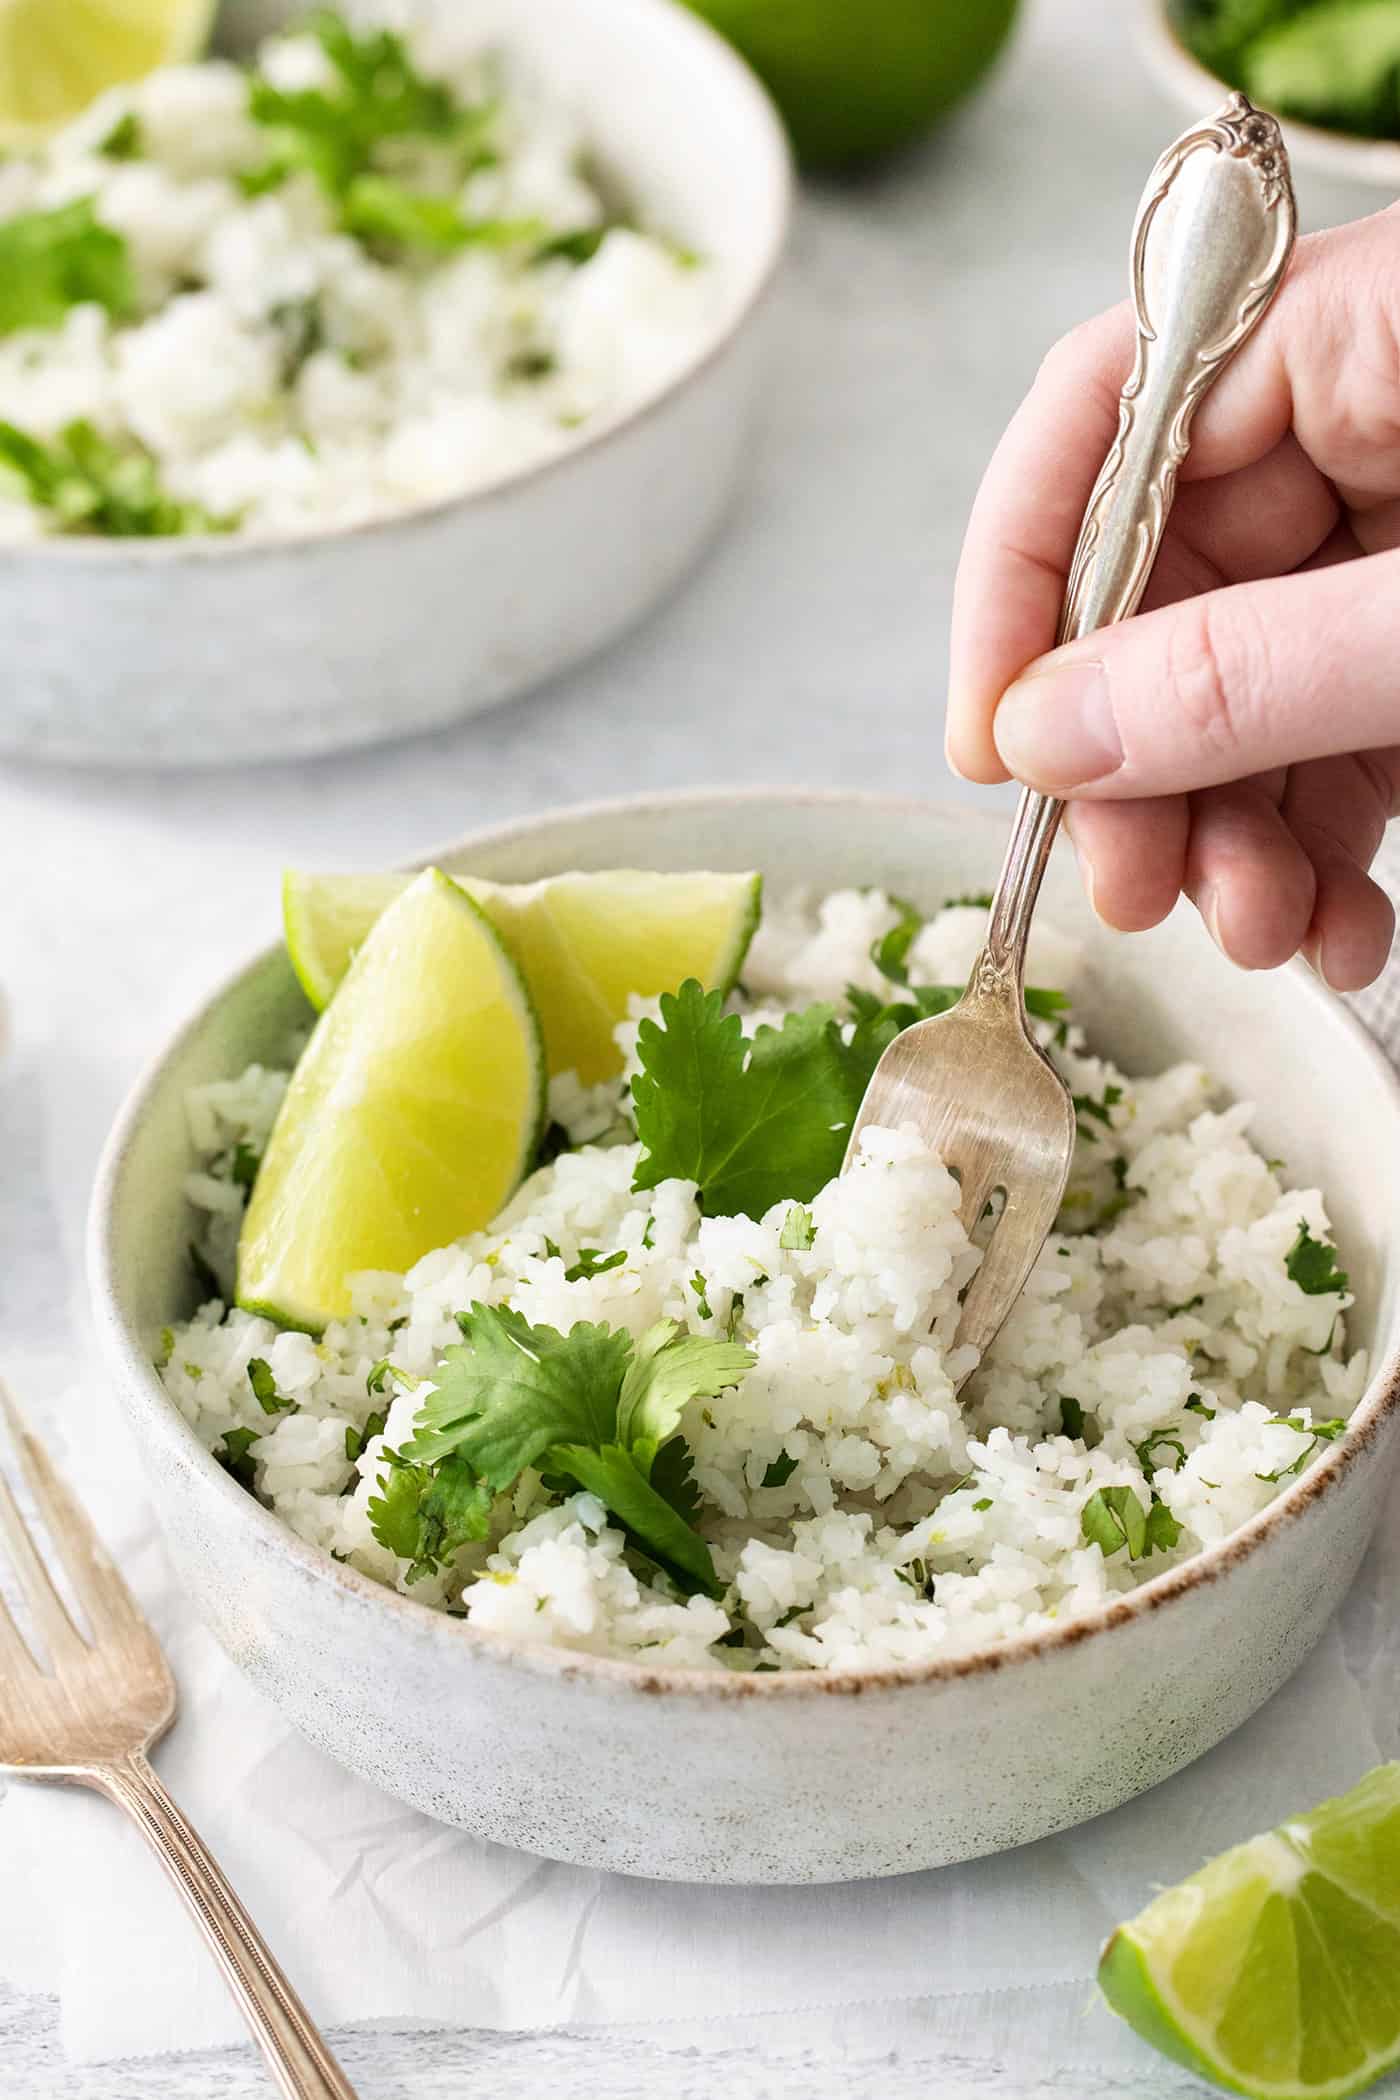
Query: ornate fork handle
column 1212, row 240
column 280, row 2023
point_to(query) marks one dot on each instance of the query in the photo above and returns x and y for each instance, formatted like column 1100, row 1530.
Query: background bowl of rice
column 223, row 649
column 807, row 1776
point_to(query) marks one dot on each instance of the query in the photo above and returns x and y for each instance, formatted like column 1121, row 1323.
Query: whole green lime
column 857, row 78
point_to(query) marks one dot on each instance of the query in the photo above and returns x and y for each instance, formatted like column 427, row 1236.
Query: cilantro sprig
column 1114, row 1517
column 424, row 1514
column 51, row 261
column 88, row 484
column 592, row 1406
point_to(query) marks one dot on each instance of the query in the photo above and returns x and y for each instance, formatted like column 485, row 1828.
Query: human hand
column 1239, row 740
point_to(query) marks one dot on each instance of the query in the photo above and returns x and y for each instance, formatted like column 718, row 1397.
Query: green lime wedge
column 586, row 943
column 1275, row 1971
column 411, row 1117
column 56, row 58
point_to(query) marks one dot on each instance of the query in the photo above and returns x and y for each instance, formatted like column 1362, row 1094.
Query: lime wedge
column 56, row 58
column 584, row 942
column 1276, row 1969
column 411, row 1117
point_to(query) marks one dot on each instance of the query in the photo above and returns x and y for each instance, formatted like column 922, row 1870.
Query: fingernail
column 1055, row 726
column 1208, row 905
column 1315, row 956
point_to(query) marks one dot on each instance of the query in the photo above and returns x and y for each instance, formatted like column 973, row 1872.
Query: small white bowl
column 209, row 651
column 1375, row 162
column 800, row 1777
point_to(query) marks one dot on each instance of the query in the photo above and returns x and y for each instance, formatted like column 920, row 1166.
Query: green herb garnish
column 798, row 1230
column 1113, row 1517
column 51, row 261
column 234, row 1453
column 89, row 484
column 1312, row 1265
column 424, row 1514
column 265, row 1391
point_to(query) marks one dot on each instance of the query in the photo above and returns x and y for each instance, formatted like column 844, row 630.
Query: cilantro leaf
column 1312, row 1264
column 780, row 1472
column 977, row 900
column 1166, row 1440
column 424, row 1514
column 89, row 484
column 265, row 1391
column 890, row 953
column 376, row 95
column 1316, row 1433
column 798, row 1230
column 376, row 208
column 588, row 1405
column 1197, row 1406
column 1086, row 1105
column 592, row 1262
column 358, row 1440
column 511, row 1390
column 621, row 1485
column 1076, row 1423
column 234, row 1454
column 668, row 1370
column 1113, row 1517
column 750, row 1121
column 243, row 1167
column 124, row 140
column 53, row 260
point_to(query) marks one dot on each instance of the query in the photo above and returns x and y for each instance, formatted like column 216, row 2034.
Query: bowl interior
column 1328, row 1104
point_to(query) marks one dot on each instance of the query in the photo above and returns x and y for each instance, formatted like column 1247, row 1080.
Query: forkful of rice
column 1211, row 243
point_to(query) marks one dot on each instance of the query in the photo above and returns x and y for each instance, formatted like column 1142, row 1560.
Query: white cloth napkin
column 382, row 1915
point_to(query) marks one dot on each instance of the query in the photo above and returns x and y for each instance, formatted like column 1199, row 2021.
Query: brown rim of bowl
column 1380, row 1400
column 234, row 547
column 1356, row 155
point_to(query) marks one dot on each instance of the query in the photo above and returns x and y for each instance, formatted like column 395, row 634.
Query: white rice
column 912, row 1524
column 285, row 374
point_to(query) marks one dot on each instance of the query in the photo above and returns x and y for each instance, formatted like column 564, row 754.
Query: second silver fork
column 87, row 1712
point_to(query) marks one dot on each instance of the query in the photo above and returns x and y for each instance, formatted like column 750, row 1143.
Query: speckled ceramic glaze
column 708, row 1777
column 213, row 651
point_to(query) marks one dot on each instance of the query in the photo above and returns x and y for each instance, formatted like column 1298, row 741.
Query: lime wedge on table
column 411, row 1117
column 1276, row 1969
column 584, row 942
column 56, row 56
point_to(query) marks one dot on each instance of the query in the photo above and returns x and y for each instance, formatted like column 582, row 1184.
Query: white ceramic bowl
column 1375, row 162
column 788, row 1777
column 221, row 650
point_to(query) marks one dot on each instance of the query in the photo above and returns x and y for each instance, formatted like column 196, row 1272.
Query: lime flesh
column 56, row 56
column 412, row 1115
column 1275, row 1971
column 585, row 943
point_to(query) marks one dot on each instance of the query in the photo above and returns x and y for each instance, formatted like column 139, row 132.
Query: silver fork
column 1211, row 243
column 87, row 1713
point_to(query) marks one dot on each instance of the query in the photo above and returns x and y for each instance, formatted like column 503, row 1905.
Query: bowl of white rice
column 375, row 377
column 1146, row 1500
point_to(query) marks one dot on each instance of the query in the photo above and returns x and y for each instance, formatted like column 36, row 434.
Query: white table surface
column 915, row 309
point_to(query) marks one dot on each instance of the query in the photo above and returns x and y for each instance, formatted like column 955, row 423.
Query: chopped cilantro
column 380, row 1374
column 379, row 210
column 984, row 1503
column 890, row 953
column 234, row 1454
column 167, row 1347
column 1099, row 1109
column 425, row 1513
column 978, row 900
column 1113, row 1517
column 123, row 141
column 649, row 1234
column 1316, row 1433
column 781, row 1471
column 702, row 1303
column 1188, row 1305
column 593, row 1263
column 357, row 1440
column 1074, row 1422
column 578, row 246
column 1166, row 1440
column 592, row 1405
column 51, row 261
column 89, row 484
column 751, row 1121
column 1312, row 1264
column 1197, row 1406
column 798, row 1230
column 265, row 1391
column 528, row 367
column 243, row 1168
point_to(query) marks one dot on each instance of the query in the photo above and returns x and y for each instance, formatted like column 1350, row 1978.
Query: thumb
column 1214, row 688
